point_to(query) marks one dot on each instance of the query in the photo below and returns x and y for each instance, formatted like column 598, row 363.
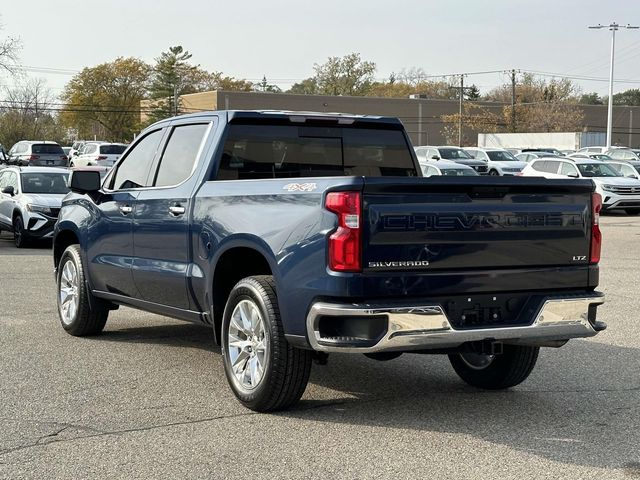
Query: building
column 421, row 117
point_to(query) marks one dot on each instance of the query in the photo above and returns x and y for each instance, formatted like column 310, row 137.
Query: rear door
column 449, row 223
column 161, row 221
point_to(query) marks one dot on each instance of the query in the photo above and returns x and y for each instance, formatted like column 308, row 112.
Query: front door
column 161, row 222
column 110, row 246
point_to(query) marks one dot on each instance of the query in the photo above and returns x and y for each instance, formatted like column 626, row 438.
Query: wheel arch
column 63, row 239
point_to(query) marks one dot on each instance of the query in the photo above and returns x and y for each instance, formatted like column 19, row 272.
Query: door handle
column 176, row 210
column 126, row 209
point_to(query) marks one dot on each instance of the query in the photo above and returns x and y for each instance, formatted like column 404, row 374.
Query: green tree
column 591, row 99
column 348, row 75
column 629, row 97
column 308, row 86
column 106, row 99
column 265, row 86
column 472, row 94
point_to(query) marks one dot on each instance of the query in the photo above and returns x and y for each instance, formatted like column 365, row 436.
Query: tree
column 9, row 48
column 475, row 119
column 591, row 99
column 439, row 89
column 472, row 94
column 265, row 86
column 28, row 113
column 629, row 97
column 106, row 99
column 308, row 86
column 348, row 75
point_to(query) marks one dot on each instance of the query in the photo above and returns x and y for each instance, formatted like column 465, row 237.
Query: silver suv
column 37, row 153
column 30, row 200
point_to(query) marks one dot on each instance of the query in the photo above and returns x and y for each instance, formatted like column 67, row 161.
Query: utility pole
column 461, row 89
column 513, row 101
column 613, row 27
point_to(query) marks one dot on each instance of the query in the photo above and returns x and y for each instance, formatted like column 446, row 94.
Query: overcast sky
column 282, row 39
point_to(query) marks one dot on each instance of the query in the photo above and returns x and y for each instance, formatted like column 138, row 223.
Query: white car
column 499, row 161
column 618, row 192
column 592, row 150
column 100, row 154
column 446, row 168
column 625, row 154
column 30, row 200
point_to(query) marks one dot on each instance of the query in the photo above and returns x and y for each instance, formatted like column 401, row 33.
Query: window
column 551, row 166
column 458, row 172
column 11, row 181
column 473, row 153
column 134, row 169
column 539, row 166
column 453, row 154
column 432, row 152
column 568, row 169
column 112, row 149
column 501, row 156
column 597, row 170
column 288, row 151
column 428, row 170
column 180, row 154
column 3, row 180
column 45, row 183
column 46, row 149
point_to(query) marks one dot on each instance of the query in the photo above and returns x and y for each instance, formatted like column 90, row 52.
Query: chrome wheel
column 477, row 361
column 247, row 344
column 68, row 291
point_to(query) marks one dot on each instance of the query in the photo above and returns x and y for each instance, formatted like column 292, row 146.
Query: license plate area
column 486, row 311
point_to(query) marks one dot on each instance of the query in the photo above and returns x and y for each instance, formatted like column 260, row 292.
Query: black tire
column 90, row 312
column 20, row 235
column 507, row 369
column 286, row 369
column 494, row 173
column 632, row 211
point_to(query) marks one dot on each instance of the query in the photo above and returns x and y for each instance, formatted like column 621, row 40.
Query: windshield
column 501, row 156
column 45, row 182
column 454, row 154
column 600, row 156
column 597, row 170
column 458, row 172
column 112, row 149
column 47, row 149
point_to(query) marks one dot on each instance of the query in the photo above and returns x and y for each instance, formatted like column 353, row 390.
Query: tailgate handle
column 489, row 192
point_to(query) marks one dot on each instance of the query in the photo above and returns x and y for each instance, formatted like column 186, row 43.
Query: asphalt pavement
column 148, row 399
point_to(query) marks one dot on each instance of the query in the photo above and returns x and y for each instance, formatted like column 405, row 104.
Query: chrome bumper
column 427, row 327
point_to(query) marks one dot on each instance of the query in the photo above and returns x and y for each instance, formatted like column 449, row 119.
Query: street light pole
column 613, row 27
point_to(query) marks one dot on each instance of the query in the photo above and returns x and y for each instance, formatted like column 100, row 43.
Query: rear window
column 458, row 172
column 501, row 156
column 46, row 149
column 283, row 151
column 45, row 182
column 112, row 149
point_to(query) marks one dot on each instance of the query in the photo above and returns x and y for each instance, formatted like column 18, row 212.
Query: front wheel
column 80, row 312
column 20, row 235
column 494, row 173
column 263, row 370
column 496, row 372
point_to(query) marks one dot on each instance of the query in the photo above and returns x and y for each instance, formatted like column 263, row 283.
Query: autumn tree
column 308, row 86
column 106, row 98
column 476, row 118
column 348, row 75
column 629, row 97
column 592, row 98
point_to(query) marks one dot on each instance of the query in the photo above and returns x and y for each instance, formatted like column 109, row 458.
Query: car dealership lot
column 148, row 398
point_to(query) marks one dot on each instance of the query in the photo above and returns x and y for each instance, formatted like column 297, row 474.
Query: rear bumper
column 425, row 327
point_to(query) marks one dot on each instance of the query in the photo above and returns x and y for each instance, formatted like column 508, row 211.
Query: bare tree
column 9, row 48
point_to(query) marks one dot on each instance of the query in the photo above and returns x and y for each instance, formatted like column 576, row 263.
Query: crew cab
column 295, row 235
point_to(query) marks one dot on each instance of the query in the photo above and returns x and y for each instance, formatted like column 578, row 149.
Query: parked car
column 3, row 154
column 618, row 192
column 594, row 156
column 551, row 150
column 75, row 148
column 30, row 200
column 446, row 168
column 528, row 156
column 455, row 154
column 592, row 149
column 37, row 153
column 567, row 152
column 630, row 169
column 98, row 154
column 626, row 154
column 292, row 233
column 498, row 160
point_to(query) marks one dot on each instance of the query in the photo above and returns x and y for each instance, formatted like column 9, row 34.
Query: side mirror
column 435, row 157
column 8, row 190
column 76, row 153
column 573, row 175
column 84, row 181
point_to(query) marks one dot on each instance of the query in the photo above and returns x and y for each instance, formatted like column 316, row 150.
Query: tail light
column 101, row 158
column 596, row 234
column 64, row 157
column 344, row 243
column 33, row 157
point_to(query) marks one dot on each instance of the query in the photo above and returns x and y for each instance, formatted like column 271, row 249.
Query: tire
column 71, row 165
column 498, row 372
column 494, row 173
column 20, row 235
column 82, row 314
column 632, row 211
column 285, row 369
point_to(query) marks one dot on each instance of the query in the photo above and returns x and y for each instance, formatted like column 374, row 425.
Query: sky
column 282, row 39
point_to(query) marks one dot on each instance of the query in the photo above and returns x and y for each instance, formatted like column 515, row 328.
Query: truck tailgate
column 438, row 223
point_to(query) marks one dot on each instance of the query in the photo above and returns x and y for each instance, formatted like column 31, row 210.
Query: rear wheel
column 80, row 312
column 263, row 370
column 632, row 211
column 496, row 372
column 20, row 235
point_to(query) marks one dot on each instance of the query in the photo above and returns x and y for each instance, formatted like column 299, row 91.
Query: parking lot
column 148, row 399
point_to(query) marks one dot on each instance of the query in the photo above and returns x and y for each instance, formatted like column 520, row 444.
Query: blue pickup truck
column 294, row 235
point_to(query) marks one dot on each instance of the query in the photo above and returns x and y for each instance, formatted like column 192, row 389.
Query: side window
column 180, row 154
column 616, row 154
column 432, row 153
column 12, row 181
column 568, row 169
column 133, row 171
column 473, row 153
column 3, row 180
column 538, row 166
column 551, row 166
